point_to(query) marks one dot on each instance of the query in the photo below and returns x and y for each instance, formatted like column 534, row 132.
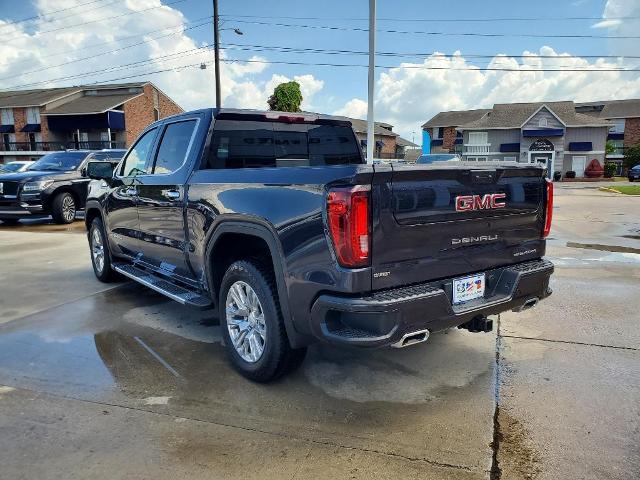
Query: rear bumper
column 385, row 317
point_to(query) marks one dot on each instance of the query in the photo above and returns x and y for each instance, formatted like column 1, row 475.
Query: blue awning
column 112, row 119
column 31, row 127
column 509, row 147
column 436, row 143
column 580, row 146
column 7, row 129
column 543, row 132
column 458, row 141
column 615, row 136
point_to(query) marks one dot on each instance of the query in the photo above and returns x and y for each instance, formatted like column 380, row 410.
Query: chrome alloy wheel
column 97, row 249
column 68, row 208
column 245, row 322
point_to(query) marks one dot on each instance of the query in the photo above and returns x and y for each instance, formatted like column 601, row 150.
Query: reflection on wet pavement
column 131, row 347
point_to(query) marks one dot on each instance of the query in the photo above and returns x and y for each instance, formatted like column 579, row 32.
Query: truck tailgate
column 431, row 222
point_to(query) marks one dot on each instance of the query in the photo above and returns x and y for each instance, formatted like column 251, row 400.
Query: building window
column 617, row 127
column 478, row 138
column 439, row 132
column 543, row 122
column 33, row 115
column 7, row 140
column 618, row 146
column 7, row 116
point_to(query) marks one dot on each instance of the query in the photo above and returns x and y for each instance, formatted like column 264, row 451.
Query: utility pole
column 372, row 79
column 216, row 51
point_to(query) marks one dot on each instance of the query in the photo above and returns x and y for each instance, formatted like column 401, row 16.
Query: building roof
column 360, row 126
column 88, row 104
column 42, row 96
column 608, row 109
column 32, row 98
column 455, row 118
column 514, row 115
column 403, row 142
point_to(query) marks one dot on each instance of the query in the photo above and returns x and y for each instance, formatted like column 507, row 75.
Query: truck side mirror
column 100, row 171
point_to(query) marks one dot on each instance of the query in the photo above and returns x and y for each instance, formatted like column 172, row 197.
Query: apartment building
column 35, row 122
column 551, row 133
column 624, row 117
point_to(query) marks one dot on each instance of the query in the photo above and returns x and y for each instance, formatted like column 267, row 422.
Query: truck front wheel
column 63, row 208
column 252, row 324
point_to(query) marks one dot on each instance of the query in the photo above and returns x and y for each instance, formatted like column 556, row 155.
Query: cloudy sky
column 433, row 60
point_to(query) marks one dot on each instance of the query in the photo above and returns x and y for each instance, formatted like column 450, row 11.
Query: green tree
column 610, row 148
column 632, row 156
column 286, row 97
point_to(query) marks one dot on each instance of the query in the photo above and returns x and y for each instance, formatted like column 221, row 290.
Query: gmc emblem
column 467, row 203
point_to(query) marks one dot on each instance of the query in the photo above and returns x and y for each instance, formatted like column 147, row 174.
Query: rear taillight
column 348, row 222
column 549, row 210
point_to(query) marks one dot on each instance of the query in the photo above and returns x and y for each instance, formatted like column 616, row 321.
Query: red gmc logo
column 467, row 203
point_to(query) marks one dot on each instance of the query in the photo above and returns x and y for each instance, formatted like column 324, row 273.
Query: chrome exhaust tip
column 529, row 303
column 412, row 338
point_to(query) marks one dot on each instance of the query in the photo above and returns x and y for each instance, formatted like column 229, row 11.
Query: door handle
column 171, row 194
column 131, row 191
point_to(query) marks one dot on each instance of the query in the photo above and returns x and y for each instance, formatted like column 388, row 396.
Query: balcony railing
column 481, row 148
column 55, row 146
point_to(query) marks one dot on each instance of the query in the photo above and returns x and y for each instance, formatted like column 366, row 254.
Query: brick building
column 442, row 129
column 389, row 145
column 624, row 116
column 35, row 122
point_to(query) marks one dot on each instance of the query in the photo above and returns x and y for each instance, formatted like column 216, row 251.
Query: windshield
column 59, row 161
column 11, row 167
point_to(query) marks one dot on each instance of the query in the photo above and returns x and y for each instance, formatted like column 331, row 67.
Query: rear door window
column 242, row 144
column 172, row 151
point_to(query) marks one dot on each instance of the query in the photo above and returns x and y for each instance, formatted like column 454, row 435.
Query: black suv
column 54, row 185
column 276, row 220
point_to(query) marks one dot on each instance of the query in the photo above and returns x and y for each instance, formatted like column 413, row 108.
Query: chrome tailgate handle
column 171, row 194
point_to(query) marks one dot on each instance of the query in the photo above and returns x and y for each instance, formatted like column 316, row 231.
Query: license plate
column 468, row 288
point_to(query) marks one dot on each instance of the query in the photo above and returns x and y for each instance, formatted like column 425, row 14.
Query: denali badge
column 467, row 240
column 466, row 203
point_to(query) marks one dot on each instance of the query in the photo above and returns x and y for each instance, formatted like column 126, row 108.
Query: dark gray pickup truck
column 276, row 220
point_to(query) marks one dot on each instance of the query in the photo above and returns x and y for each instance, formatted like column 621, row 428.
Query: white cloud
column 409, row 95
column 354, row 108
column 607, row 23
column 621, row 18
column 26, row 47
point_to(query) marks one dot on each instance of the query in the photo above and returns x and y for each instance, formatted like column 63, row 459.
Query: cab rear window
column 260, row 144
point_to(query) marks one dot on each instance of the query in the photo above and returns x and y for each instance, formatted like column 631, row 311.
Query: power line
column 35, row 17
column 105, row 18
column 496, row 19
column 102, row 53
column 421, row 32
column 279, row 49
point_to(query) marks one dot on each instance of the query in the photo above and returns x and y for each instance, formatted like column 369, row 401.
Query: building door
column 547, row 162
column 578, row 164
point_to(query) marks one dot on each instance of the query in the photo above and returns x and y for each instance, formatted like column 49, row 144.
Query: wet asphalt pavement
column 116, row 381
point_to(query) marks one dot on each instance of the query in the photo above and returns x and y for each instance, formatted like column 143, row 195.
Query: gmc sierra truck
column 276, row 220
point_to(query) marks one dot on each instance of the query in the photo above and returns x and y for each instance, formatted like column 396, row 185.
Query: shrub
column 570, row 174
column 610, row 169
column 557, row 176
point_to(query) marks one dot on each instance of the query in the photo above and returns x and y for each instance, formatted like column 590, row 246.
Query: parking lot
column 119, row 382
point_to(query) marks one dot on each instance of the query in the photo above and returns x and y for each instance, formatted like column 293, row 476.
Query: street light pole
column 372, row 78
column 216, row 52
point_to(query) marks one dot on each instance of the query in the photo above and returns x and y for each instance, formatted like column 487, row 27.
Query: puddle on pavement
column 604, row 248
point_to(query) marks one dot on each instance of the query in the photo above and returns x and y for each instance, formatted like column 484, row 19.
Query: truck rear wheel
column 63, row 208
column 252, row 324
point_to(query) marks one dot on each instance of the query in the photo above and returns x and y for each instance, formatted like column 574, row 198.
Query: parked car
column 275, row 220
column 53, row 185
column 634, row 173
column 16, row 166
column 438, row 157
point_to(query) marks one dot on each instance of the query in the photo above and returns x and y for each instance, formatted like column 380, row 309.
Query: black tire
column 10, row 221
column 63, row 208
column 277, row 357
column 105, row 273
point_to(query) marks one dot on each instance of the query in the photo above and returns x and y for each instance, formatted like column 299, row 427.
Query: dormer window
column 543, row 122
